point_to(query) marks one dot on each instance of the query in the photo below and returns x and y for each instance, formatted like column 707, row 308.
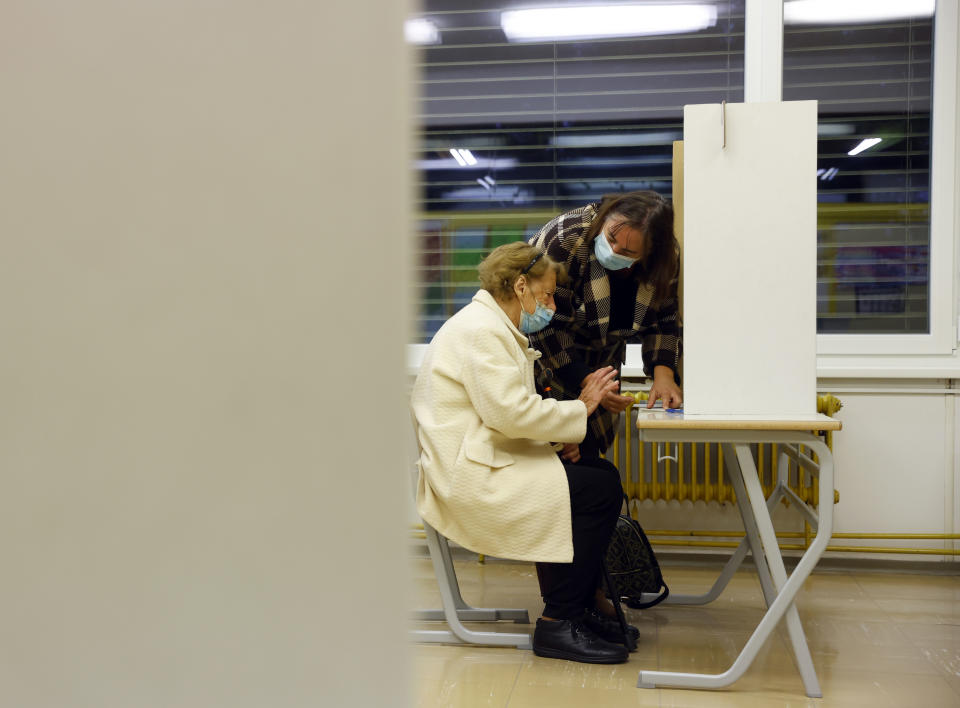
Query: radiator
column 695, row 471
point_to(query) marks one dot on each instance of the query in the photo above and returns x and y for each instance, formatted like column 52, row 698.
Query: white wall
column 897, row 471
column 201, row 204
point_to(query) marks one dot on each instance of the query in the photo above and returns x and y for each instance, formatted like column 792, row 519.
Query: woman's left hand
column 570, row 452
column 665, row 387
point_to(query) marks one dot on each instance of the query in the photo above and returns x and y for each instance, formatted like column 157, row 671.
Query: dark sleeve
column 572, row 374
column 663, row 342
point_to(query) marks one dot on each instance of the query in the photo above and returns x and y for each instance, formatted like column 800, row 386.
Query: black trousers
column 595, row 499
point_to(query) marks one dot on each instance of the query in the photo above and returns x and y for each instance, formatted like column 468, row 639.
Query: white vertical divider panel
column 202, row 496
column 750, row 238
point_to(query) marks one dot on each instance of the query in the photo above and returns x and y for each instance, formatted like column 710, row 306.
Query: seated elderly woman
column 490, row 475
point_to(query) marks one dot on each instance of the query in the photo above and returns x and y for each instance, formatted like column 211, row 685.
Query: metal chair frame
column 455, row 610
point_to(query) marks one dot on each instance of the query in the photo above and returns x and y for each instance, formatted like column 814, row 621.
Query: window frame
column 869, row 354
column 944, row 186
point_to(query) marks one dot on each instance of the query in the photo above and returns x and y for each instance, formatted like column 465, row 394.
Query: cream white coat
column 489, row 478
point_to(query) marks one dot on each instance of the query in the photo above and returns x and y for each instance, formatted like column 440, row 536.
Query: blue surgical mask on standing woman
column 608, row 259
column 538, row 320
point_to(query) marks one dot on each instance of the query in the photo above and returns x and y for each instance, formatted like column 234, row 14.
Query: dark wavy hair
column 650, row 213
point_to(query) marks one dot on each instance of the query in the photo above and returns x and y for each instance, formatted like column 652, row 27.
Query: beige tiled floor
column 877, row 639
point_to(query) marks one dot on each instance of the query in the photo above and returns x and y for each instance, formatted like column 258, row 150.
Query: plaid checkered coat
column 580, row 328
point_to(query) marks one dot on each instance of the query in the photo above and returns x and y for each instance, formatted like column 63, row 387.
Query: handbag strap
column 664, row 594
column 632, row 604
column 628, row 640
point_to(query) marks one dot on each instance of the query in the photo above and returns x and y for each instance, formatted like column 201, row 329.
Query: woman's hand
column 570, row 452
column 665, row 387
column 612, row 400
column 615, row 403
column 597, row 385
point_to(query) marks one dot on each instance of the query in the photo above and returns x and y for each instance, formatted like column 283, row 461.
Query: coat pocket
column 482, row 452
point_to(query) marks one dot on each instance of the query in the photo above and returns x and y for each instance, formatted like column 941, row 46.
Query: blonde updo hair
column 501, row 268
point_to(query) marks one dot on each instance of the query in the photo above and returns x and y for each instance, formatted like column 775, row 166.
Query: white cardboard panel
column 750, row 238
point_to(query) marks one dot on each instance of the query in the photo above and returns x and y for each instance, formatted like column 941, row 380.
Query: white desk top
column 660, row 419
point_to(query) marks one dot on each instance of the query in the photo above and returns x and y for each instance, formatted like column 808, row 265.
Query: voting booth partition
column 749, row 258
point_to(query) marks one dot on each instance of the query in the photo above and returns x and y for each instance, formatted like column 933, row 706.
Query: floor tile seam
column 946, row 674
column 903, row 672
column 939, row 622
column 866, row 592
column 898, row 671
column 917, row 652
column 513, row 688
column 923, row 645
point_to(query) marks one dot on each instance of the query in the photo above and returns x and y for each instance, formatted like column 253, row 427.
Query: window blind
column 539, row 127
column 872, row 81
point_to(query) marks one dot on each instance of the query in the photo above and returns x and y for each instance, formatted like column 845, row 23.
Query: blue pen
column 674, row 410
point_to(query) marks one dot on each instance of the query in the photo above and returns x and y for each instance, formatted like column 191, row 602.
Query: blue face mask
column 538, row 320
column 608, row 259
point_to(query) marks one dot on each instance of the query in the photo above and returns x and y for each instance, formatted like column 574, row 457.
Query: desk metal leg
column 775, row 567
column 783, row 601
column 718, row 586
column 735, row 561
column 734, row 464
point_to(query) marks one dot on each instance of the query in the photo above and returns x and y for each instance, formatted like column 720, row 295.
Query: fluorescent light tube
column 595, row 22
column 842, row 12
column 468, row 156
column 864, row 144
column 421, row 31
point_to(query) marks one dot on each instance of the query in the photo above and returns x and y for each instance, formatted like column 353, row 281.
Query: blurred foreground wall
column 203, row 254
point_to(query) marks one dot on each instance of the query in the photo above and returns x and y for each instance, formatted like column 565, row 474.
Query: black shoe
column 571, row 639
column 608, row 628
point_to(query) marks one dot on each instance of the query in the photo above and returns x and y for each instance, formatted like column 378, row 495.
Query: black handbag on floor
column 632, row 565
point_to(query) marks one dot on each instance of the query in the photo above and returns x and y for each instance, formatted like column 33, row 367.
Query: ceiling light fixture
column 468, row 157
column 842, row 12
column 864, row 144
column 600, row 21
column 419, row 30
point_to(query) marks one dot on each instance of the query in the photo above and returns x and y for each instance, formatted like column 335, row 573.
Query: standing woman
column 622, row 259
